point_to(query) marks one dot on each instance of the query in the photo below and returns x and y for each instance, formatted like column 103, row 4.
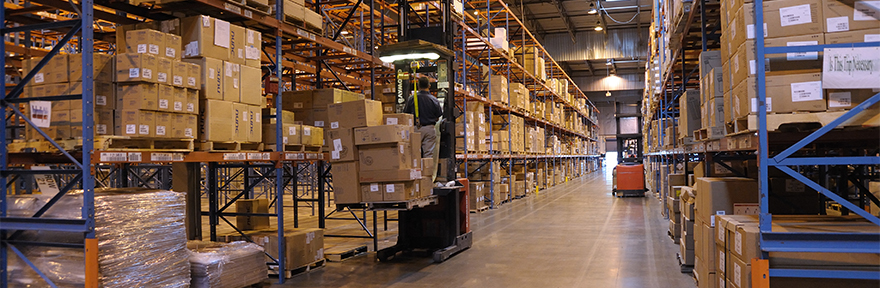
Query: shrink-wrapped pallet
column 226, row 265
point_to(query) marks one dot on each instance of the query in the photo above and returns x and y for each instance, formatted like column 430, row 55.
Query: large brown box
column 198, row 37
column 134, row 67
column 163, row 124
column 240, row 126
column 236, row 44
column 246, row 222
column 164, row 66
column 216, row 121
column 251, row 91
column 178, row 100
column 165, row 98
column 184, row 126
column 398, row 119
column 303, row 246
column 394, row 191
column 314, row 116
column 211, row 77
column 254, row 124
column 296, row 100
column 290, row 134
column 55, row 71
column 395, row 156
column 717, row 196
column 342, row 145
column 103, row 122
column 846, row 15
column 743, row 63
column 389, row 175
column 353, row 114
column 192, row 101
column 346, row 186
column 143, row 96
column 382, row 134
column 857, row 36
column 313, row 136
column 781, row 18
column 105, row 95
column 231, row 81
column 102, row 67
column 689, row 121
column 145, row 41
column 253, row 48
column 172, row 46
column 780, row 95
column 135, row 123
column 179, row 73
column 194, row 76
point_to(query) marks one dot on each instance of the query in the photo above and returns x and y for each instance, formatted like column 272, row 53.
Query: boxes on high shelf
column 312, row 136
column 194, row 76
column 165, row 98
column 717, row 196
column 137, row 96
column 55, row 71
column 785, row 94
column 313, row 19
column 237, row 44
column 846, row 15
column 845, row 99
column 134, row 67
column 689, row 121
column 519, row 95
column 342, row 145
column 498, row 89
column 216, row 121
column 184, row 126
column 164, row 66
column 179, row 73
column 253, row 47
column 145, row 41
column 104, row 93
column 204, row 36
column 346, row 183
column 135, row 123
column 743, row 62
column 251, row 92
column 163, row 124
column 102, row 67
column 781, row 18
column 857, row 36
column 353, row 114
column 231, row 81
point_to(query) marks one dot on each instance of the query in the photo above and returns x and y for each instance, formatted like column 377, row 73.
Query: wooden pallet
column 701, row 135
column 273, row 269
column 339, row 255
column 293, row 148
column 211, row 146
column 480, row 209
column 403, row 205
column 803, row 122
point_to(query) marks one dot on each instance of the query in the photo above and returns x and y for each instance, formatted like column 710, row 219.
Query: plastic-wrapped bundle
column 226, row 265
column 141, row 239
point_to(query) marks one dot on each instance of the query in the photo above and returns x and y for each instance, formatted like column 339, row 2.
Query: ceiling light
column 609, row 62
column 607, row 93
column 598, row 28
column 592, row 9
column 476, row 12
column 344, row 33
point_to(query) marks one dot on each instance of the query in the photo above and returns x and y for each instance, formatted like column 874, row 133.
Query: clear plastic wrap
column 141, row 240
column 226, row 265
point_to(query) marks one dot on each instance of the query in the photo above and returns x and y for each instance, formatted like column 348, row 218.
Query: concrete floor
column 572, row 235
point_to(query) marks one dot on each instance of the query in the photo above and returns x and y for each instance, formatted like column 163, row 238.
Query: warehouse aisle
column 572, row 235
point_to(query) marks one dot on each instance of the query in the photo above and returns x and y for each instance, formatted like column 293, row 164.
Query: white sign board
column 41, row 113
column 851, row 68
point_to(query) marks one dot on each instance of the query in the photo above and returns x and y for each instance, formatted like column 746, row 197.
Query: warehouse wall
column 611, row 83
column 617, row 43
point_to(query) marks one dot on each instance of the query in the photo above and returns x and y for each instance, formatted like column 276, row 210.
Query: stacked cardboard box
column 291, row 133
column 62, row 76
column 387, row 94
column 533, row 62
column 346, row 118
column 476, row 195
column 302, row 246
column 712, row 94
column 498, row 89
column 294, row 10
column 511, row 126
column 472, row 128
column 519, row 96
column 687, row 202
column 689, row 115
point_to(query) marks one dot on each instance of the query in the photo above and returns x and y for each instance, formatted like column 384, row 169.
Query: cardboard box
column 194, row 75
column 178, row 100
column 231, row 81
column 780, row 96
column 394, row 191
column 252, row 206
column 857, row 36
column 135, row 123
column 142, row 96
column 184, row 126
column 297, row 100
column 313, row 136
column 291, row 134
column 211, row 77
column 102, row 67
column 845, row 99
column 133, row 67
column 145, row 41
column 254, row 124
column 354, row 114
column 720, row 258
column 179, row 73
column 346, row 183
column 705, row 243
column 204, row 36
column 342, row 145
column 216, row 121
column 240, row 126
column 251, row 86
column 287, row 117
column 172, row 46
column 689, row 121
column 846, row 15
column 105, row 95
column 476, row 196
column 104, row 122
column 253, row 48
column 394, row 156
column 55, row 71
column 164, row 66
column 743, row 62
column 398, row 119
column 192, row 101
column 236, row 44
column 303, row 246
column 165, row 98
column 717, row 196
column 163, row 125
column 428, row 167
column 382, row 134
column 389, row 175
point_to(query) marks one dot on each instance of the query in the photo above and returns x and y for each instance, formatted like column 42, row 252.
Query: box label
column 163, row 103
column 866, row 11
column 160, row 130
column 38, row 78
column 839, row 99
column 144, row 129
column 221, row 33
column 191, row 81
column 334, row 125
column 754, row 105
column 837, row 24
column 177, row 80
column 41, row 113
column 142, row 48
column 738, row 246
column 806, row 91
column 334, row 154
column 800, row 56
column 134, row 72
column 737, row 274
column 389, row 188
column 307, row 131
column 190, row 107
column 795, row 15
column 337, row 144
column 374, row 187
column 130, row 129
column 148, row 73
column 291, row 131
column 101, row 100
column 154, row 49
column 750, row 31
column 319, row 123
column 169, row 52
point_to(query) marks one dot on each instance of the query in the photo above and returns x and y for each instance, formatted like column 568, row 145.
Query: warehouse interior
column 447, row 143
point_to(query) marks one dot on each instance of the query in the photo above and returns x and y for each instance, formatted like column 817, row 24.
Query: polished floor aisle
column 573, row 235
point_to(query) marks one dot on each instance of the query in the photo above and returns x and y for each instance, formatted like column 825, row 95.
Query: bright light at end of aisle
column 410, row 56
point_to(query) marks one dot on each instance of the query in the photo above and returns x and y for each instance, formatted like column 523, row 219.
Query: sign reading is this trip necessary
column 851, row 68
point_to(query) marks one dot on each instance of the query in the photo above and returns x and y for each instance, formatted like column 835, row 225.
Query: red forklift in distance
column 629, row 174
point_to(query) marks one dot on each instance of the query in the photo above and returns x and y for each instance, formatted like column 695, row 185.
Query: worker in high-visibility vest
column 427, row 114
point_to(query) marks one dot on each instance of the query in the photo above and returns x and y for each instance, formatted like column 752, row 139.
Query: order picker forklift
column 442, row 229
column 629, row 174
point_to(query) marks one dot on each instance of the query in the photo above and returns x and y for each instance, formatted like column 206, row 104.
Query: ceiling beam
column 528, row 18
column 565, row 20
column 590, row 67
